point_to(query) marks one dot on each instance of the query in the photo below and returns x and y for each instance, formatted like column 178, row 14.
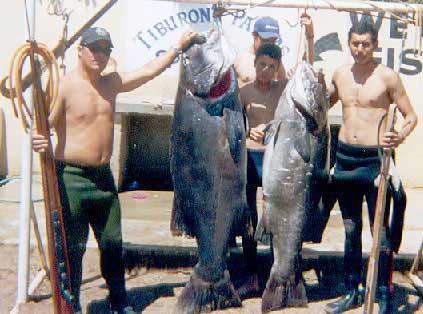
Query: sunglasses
column 98, row 48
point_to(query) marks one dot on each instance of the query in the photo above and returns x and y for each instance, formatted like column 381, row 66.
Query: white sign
column 152, row 27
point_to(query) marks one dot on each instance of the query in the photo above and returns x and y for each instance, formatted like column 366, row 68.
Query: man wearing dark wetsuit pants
column 84, row 119
column 365, row 89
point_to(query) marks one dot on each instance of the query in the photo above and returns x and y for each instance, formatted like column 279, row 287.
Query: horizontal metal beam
column 363, row 6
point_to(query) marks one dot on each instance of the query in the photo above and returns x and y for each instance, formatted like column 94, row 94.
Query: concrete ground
column 146, row 216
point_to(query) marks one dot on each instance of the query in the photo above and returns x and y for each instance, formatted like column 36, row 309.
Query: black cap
column 94, row 34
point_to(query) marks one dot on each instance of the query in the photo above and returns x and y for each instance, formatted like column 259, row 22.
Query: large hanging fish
column 294, row 139
column 208, row 165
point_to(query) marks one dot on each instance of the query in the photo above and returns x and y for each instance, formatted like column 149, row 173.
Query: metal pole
column 26, row 188
column 353, row 5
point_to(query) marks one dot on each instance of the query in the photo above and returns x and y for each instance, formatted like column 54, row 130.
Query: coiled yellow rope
column 20, row 106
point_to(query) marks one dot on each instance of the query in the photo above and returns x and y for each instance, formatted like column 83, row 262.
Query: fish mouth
column 221, row 86
column 206, row 66
column 211, row 80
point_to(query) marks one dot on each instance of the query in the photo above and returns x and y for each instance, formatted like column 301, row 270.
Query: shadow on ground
column 403, row 304
column 138, row 298
column 323, row 273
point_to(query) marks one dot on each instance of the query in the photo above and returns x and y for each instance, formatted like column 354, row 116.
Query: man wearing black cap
column 262, row 100
column 95, row 34
column 84, row 119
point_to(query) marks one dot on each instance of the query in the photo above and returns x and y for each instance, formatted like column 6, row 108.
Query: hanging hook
column 64, row 40
column 296, row 22
column 314, row 4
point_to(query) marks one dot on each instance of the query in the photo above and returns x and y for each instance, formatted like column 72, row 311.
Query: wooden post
column 372, row 270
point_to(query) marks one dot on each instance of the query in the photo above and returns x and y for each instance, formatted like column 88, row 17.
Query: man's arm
column 399, row 96
column 310, row 47
column 39, row 142
column 333, row 90
column 57, row 110
column 129, row 81
column 237, row 63
column 309, row 34
column 282, row 75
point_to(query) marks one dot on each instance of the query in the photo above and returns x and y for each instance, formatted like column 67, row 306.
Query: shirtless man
column 266, row 31
column 84, row 120
column 366, row 90
column 261, row 97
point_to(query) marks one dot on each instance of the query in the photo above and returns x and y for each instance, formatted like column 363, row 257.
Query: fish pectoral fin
column 262, row 233
column 235, row 132
column 302, row 145
column 271, row 131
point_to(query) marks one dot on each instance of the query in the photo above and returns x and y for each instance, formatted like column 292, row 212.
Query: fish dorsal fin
column 271, row 131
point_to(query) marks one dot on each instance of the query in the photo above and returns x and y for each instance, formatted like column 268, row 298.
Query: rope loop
column 43, row 56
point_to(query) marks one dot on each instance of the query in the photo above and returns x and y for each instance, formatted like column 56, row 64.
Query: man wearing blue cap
column 260, row 96
column 266, row 31
column 83, row 118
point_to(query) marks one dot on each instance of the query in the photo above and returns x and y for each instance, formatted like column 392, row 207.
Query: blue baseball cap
column 267, row 27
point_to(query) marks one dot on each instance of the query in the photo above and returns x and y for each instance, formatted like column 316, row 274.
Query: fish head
column 310, row 97
column 204, row 64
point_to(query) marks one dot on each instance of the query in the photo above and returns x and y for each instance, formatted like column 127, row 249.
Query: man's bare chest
column 88, row 105
column 370, row 93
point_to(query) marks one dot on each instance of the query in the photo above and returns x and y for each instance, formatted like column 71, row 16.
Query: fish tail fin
column 277, row 295
column 200, row 296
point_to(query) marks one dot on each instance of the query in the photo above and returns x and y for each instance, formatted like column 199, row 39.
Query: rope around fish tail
column 17, row 99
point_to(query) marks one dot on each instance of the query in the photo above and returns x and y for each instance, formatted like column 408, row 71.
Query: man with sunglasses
column 83, row 118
